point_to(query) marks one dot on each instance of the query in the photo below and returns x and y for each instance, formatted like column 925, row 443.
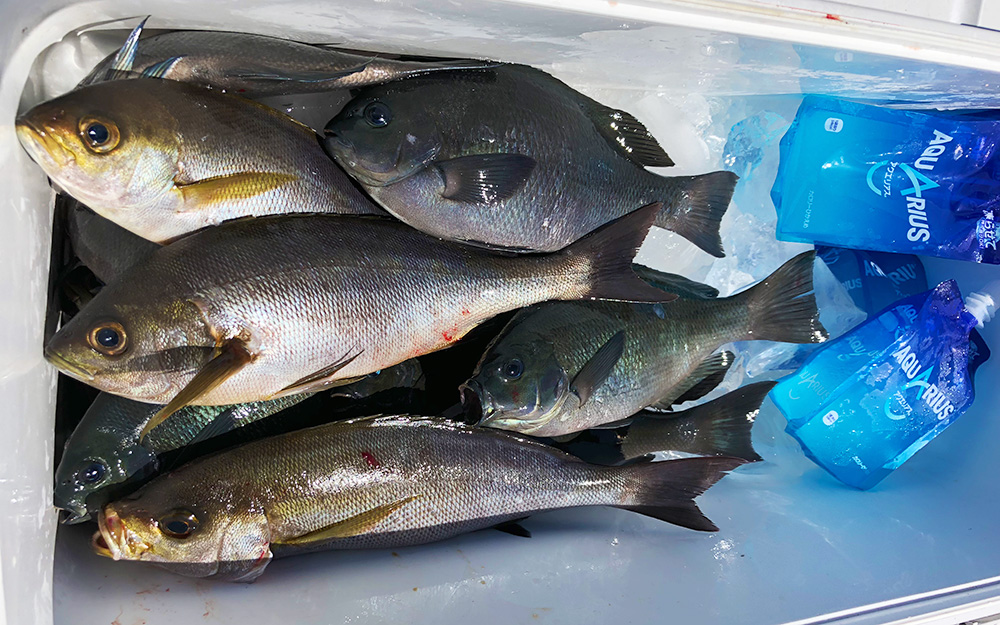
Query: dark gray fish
column 375, row 483
column 509, row 157
column 255, row 65
column 562, row 367
column 104, row 452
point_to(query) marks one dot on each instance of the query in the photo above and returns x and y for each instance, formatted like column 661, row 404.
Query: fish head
column 111, row 146
column 188, row 528
column 381, row 138
column 145, row 350
column 518, row 385
column 99, row 456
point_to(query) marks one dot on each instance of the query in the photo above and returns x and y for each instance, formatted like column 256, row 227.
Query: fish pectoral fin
column 484, row 178
column 699, row 382
column 300, row 76
column 598, row 368
column 627, row 135
column 352, row 526
column 231, row 357
column 315, row 382
column 238, row 186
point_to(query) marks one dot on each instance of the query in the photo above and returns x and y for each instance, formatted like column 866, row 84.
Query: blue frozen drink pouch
column 867, row 177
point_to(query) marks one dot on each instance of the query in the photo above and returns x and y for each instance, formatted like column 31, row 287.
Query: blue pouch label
column 867, row 177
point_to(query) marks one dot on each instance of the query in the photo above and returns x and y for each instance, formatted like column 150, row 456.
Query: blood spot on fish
column 371, row 460
column 515, row 395
column 465, row 312
column 448, row 336
column 831, row 16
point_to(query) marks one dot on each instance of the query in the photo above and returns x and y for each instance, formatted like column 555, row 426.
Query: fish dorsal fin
column 352, row 526
column 598, row 368
column 238, row 186
column 484, row 178
column 699, row 382
column 627, row 135
column 231, row 357
column 121, row 65
column 322, row 378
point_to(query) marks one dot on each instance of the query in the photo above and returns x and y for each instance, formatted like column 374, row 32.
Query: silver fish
column 375, row 483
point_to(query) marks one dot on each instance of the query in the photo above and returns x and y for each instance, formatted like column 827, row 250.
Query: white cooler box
column 795, row 545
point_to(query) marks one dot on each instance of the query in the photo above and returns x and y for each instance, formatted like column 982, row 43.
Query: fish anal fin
column 513, row 528
column 352, row 526
column 238, row 186
column 233, row 354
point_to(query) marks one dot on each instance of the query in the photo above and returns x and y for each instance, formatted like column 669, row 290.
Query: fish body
column 258, row 66
column 256, row 309
column 163, row 158
column 104, row 453
column 510, row 157
column 375, row 483
column 103, row 246
column 529, row 379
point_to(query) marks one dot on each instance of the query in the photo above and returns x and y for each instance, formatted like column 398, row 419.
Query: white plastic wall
column 794, row 544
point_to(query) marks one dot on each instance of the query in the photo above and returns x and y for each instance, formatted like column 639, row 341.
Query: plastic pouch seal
column 867, row 177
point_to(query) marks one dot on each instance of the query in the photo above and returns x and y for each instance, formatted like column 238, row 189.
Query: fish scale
column 578, row 182
column 188, row 157
column 257, row 65
column 301, row 293
column 664, row 344
column 439, row 478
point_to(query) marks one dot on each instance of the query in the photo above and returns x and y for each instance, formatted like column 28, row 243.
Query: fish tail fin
column 667, row 490
column 721, row 427
column 698, row 214
column 603, row 258
column 783, row 307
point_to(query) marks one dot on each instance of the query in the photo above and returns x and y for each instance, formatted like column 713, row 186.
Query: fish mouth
column 42, row 143
column 477, row 404
column 74, row 511
column 114, row 540
column 70, row 368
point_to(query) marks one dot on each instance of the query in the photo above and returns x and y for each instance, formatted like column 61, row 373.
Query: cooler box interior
column 794, row 546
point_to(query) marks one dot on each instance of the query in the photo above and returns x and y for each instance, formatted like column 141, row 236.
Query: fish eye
column 108, row 338
column 512, row 369
column 178, row 523
column 98, row 135
column 92, row 473
column 377, row 115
